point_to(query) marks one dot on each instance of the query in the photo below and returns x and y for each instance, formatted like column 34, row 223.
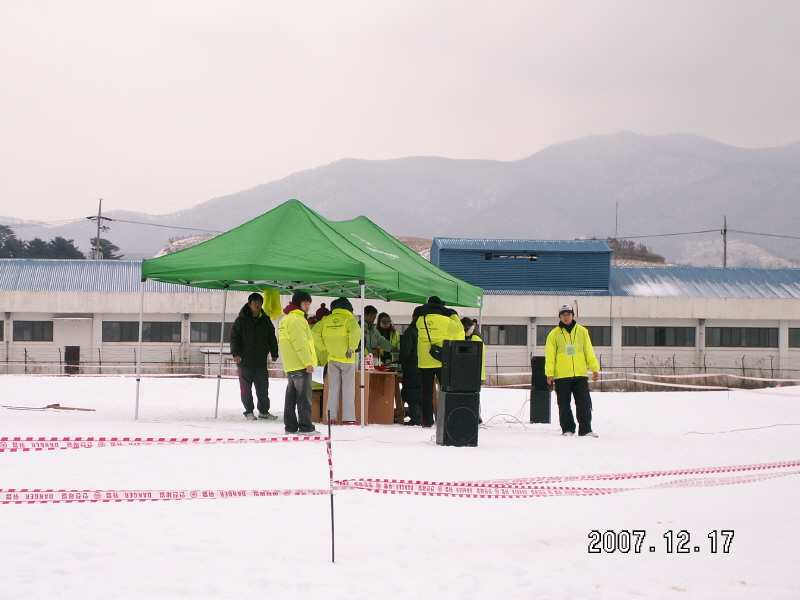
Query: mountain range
column 625, row 184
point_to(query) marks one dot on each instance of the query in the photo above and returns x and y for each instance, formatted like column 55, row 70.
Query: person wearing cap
column 321, row 313
column 568, row 353
column 435, row 324
column 299, row 357
column 338, row 334
column 252, row 341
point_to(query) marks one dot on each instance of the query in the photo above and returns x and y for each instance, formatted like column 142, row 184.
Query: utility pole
column 616, row 219
column 725, row 242
column 97, row 253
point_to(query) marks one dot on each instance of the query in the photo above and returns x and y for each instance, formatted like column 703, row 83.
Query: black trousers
column 258, row 377
column 411, row 394
column 428, row 376
column 578, row 387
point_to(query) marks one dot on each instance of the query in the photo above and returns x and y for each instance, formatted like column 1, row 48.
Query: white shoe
column 250, row 417
column 590, row 434
column 568, row 433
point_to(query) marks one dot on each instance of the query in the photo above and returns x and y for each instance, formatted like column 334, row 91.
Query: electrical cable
column 791, row 237
column 157, row 225
column 635, row 237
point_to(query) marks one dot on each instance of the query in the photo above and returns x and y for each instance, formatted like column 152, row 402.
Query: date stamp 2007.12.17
column 671, row 542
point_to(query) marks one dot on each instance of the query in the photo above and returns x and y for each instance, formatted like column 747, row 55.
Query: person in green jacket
column 296, row 346
column 339, row 335
column 568, row 353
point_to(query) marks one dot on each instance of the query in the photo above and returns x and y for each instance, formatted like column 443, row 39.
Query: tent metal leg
column 221, row 341
column 139, row 352
column 363, row 354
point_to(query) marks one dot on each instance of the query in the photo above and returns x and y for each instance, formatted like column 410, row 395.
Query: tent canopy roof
column 293, row 248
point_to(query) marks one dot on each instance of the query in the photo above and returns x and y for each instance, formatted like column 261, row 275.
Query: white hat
column 566, row 308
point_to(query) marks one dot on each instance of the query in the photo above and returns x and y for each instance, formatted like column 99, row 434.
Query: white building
column 678, row 319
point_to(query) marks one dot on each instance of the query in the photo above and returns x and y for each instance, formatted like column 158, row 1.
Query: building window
column 209, row 332
column 159, row 331
column 120, row 331
column 542, row 331
column 742, row 337
column 33, row 331
column 794, row 338
column 600, row 335
column 505, row 335
column 128, row 331
column 2, row 330
column 658, row 336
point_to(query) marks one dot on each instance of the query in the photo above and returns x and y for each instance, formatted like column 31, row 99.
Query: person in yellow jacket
column 296, row 346
column 339, row 335
column 435, row 324
column 568, row 353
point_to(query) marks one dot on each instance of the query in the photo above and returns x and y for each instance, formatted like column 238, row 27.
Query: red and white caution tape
column 36, row 496
column 26, row 444
column 488, row 491
column 638, row 474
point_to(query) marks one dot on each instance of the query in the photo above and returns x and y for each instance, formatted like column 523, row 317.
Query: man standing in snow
column 252, row 339
column 568, row 352
column 339, row 335
column 299, row 357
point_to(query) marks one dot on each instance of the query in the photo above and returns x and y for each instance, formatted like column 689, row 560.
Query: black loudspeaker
column 461, row 366
column 457, row 419
column 540, row 392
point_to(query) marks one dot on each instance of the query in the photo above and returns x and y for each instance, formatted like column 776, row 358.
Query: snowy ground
column 393, row 546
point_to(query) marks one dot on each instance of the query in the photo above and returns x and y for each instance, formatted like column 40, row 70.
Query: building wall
column 616, row 312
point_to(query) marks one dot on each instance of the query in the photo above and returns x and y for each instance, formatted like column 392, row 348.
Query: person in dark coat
column 252, row 340
column 411, row 392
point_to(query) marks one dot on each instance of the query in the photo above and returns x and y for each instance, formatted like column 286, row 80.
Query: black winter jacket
column 253, row 339
column 408, row 349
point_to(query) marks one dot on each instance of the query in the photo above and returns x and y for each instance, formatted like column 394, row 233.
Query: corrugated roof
column 488, row 245
column 43, row 275
column 28, row 274
column 705, row 282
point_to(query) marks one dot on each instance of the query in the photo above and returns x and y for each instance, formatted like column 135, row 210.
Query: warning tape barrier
column 26, row 444
column 37, row 496
column 47, row 496
column 481, row 491
column 635, row 475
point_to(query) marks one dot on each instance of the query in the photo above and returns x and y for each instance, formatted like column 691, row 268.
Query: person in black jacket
column 252, row 339
column 411, row 392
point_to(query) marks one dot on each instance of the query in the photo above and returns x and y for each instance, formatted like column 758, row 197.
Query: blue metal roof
column 49, row 275
column 487, row 245
column 705, row 282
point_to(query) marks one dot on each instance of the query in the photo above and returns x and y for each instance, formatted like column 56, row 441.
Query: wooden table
column 379, row 398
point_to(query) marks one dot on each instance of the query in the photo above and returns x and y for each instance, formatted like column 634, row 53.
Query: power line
column 791, row 237
column 635, row 237
column 164, row 226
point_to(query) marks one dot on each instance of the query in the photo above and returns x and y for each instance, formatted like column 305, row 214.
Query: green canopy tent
column 293, row 248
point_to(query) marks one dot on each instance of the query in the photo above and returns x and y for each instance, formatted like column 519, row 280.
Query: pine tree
column 107, row 249
column 63, row 248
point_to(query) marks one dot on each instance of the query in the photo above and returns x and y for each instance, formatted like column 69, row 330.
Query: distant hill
column 664, row 184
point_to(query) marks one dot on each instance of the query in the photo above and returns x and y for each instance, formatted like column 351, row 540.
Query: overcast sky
column 159, row 105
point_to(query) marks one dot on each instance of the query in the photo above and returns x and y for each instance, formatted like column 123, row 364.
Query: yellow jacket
column 441, row 328
column 558, row 363
column 337, row 333
column 295, row 342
